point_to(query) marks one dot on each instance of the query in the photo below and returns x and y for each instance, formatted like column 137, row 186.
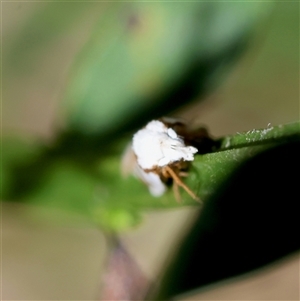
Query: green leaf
column 251, row 220
column 67, row 187
column 276, row 134
column 104, row 196
column 147, row 58
column 214, row 169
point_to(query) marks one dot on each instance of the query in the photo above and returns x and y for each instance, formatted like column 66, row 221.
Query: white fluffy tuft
column 156, row 145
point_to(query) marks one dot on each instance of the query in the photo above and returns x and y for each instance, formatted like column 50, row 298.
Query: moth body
column 161, row 153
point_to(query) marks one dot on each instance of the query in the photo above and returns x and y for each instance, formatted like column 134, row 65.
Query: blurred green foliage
column 141, row 61
column 105, row 197
column 140, row 53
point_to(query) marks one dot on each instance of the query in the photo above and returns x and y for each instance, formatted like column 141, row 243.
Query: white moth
column 156, row 145
column 159, row 154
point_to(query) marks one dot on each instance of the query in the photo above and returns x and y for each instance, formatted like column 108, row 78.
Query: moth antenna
column 179, row 182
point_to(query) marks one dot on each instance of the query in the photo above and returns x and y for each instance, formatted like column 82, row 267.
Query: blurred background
column 49, row 66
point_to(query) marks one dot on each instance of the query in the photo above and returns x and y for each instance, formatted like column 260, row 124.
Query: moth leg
column 179, row 182
column 165, row 173
column 176, row 192
column 183, row 174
